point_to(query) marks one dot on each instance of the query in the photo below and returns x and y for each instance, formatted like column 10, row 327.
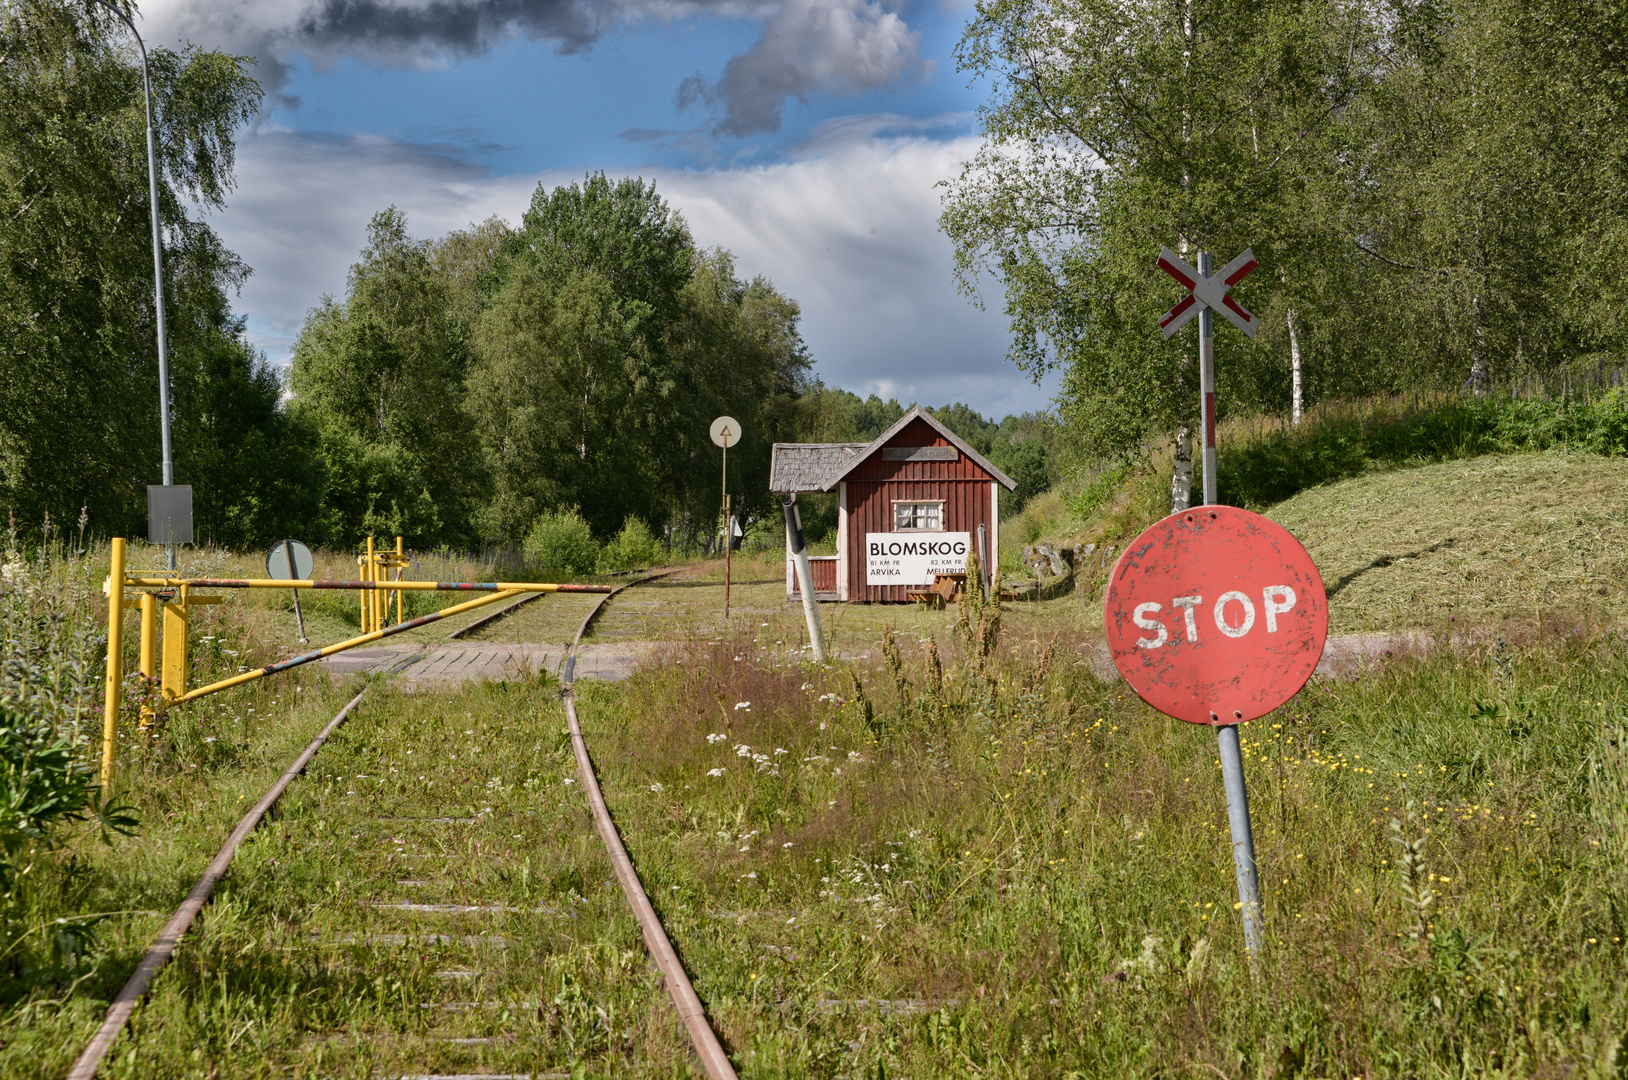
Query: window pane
column 918, row 515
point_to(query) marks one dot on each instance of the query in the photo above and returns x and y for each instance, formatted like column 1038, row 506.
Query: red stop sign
column 1216, row 615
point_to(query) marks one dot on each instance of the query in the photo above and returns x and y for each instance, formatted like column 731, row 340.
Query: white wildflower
column 715, row 772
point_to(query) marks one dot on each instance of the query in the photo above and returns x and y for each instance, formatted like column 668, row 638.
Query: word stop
column 1233, row 612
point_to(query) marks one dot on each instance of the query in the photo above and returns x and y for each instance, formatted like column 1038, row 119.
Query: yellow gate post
column 115, row 658
column 381, row 599
column 175, row 646
column 149, row 648
column 368, row 597
column 401, row 563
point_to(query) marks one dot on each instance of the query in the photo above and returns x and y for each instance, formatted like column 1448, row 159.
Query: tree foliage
column 380, row 376
column 468, row 386
column 1429, row 188
column 78, row 364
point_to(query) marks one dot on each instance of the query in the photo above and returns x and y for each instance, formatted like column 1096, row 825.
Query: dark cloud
column 807, row 47
column 395, row 32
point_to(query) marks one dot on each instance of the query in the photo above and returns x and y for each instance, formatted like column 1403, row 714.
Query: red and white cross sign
column 1208, row 292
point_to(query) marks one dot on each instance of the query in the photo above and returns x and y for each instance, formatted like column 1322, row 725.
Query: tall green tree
column 737, row 352
column 574, row 364
column 380, row 375
column 607, row 347
column 78, row 359
column 1490, row 198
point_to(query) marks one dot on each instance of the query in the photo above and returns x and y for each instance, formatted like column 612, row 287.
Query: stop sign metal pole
column 1232, row 758
column 1205, row 291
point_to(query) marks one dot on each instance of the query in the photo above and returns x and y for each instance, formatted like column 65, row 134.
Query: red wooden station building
column 911, row 505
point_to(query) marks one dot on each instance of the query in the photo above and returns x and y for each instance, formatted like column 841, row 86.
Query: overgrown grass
column 970, row 856
column 1019, row 870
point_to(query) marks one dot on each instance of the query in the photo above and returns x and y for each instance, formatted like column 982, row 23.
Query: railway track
column 406, row 914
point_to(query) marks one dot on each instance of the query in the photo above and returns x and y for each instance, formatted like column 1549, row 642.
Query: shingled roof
column 805, row 467
column 808, row 467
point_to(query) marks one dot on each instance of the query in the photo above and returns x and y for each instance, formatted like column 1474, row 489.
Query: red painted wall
column 875, row 484
column 822, row 568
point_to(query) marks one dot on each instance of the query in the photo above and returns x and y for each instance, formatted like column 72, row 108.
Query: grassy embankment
column 1417, row 510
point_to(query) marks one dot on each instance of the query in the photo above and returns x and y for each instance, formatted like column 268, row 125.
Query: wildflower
column 657, row 788
column 739, row 705
column 716, row 738
column 742, row 750
column 780, row 750
column 568, row 780
column 715, row 772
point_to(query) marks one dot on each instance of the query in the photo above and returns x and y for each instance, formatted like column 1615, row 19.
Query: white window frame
column 918, row 502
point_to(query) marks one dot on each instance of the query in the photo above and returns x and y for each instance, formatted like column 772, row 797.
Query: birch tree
column 1119, row 126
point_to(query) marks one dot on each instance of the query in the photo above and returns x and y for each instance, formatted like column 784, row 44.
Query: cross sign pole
column 1207, row 294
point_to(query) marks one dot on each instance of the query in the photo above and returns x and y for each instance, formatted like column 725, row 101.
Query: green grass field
column 958, row 852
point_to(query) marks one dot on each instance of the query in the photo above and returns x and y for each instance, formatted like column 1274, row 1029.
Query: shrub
column 634, row 548
column 560, row 544
column 44, row 785
column 767, row 533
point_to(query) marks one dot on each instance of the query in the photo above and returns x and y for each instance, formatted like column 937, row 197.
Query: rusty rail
column 164, row 946
column 679, row 988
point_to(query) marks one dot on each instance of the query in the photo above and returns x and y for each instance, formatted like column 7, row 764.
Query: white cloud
column 810, row 46
column 849, row 230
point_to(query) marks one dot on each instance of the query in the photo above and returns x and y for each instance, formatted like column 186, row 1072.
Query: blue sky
column 804, row 135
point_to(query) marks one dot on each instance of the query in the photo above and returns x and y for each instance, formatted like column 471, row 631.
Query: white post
column 805, row 576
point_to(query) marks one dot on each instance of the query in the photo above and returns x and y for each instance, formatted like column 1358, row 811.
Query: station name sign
column 913, row 558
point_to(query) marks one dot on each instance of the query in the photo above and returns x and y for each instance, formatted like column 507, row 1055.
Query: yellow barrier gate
column 176, row 596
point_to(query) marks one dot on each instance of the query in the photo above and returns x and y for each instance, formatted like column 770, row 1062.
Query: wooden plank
column 920, row 453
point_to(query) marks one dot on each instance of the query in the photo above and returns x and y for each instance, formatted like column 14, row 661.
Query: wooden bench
column 945, row 589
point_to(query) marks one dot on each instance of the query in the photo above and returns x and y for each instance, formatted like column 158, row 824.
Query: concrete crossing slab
column 440, row 667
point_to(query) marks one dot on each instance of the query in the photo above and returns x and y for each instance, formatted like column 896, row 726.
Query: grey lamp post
column 158, row 266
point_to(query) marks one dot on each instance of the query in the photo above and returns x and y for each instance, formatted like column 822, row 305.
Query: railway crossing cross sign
column 1208, row 291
